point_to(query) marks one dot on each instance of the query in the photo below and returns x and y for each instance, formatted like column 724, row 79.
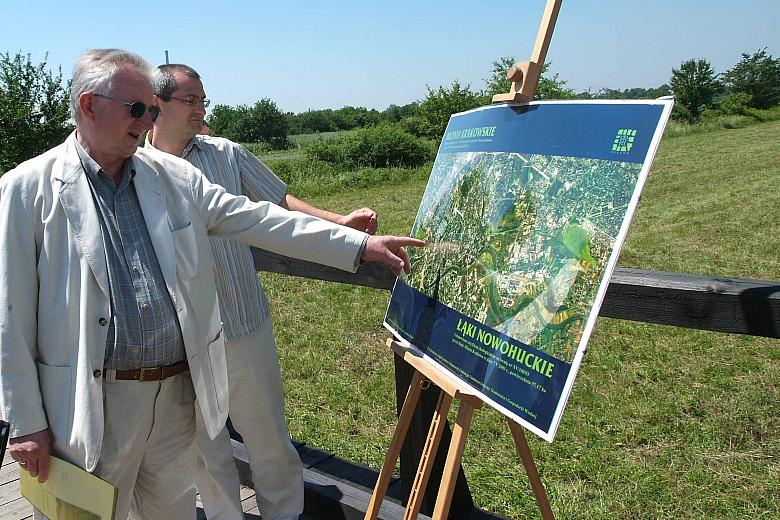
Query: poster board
column 524, row 214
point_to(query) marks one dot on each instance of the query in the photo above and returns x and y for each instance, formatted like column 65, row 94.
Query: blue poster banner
column 524, row 215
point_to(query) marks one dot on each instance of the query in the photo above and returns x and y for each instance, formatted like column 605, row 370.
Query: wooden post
column 525, row 75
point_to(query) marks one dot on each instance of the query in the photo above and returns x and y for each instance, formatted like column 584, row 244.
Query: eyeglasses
column 193, row 102
column 137, row 109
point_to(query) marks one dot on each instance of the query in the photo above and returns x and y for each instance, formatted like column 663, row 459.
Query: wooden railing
column 732, row 305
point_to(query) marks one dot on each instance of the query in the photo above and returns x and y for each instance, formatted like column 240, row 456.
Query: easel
column 452, row 388
column 525, row 77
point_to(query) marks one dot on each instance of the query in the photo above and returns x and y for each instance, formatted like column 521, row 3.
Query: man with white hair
column 109, row 326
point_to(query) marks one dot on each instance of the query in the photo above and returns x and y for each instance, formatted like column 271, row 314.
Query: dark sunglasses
column 137, row 109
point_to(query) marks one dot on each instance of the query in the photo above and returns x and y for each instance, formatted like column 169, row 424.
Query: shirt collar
column 193, row 143
column 94, row 171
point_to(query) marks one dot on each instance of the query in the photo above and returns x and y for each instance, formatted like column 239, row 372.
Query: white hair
column 94, row 71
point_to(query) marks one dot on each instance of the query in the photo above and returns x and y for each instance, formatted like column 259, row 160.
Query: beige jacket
column 54, row 292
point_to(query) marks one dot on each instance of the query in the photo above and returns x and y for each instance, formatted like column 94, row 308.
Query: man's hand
column 32, row 453
column 363, row 219
column 391, row 251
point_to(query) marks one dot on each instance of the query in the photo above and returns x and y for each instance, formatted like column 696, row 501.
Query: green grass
column 663, row 422
column 301, row 140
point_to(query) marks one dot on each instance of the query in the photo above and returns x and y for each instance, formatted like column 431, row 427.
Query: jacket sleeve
column 268, row 226
column 20, row 400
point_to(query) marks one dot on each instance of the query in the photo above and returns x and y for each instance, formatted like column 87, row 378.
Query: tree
column 547, row 88
column 757, row 75
column 34, row 109
column 630, row 93
column 694, row 85
column 263, row 122
column 266, row 123
column 224, row 120
column 437, row 107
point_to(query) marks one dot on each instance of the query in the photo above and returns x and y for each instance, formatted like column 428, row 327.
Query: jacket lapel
column 79, row 207
column 151, row 197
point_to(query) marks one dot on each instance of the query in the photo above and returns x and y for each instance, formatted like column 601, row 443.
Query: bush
column 437, row 107
column 262, row 122
column 306, row 177
column 34, row 109
column 694, row 85
column 379, row 146
column 258, row 148
column 735, row 104
column 757, row 75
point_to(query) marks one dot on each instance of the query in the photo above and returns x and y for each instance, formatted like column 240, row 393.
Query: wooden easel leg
column 530, row 468
column 404, row 419
column 426, row 460
column 459, row 434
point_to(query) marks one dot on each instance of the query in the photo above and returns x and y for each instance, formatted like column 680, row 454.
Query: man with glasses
column 254, row 378
column 109, row 326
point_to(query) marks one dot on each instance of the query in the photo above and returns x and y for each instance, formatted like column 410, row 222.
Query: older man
column 254, row 379
column 109, row 326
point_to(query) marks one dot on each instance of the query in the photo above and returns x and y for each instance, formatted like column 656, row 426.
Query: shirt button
column 145, row 306
column 135, row 268
column 97, row 374
column 103, row 322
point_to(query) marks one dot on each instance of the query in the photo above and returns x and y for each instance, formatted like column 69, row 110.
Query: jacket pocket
column 185, row 246
column 57, row 393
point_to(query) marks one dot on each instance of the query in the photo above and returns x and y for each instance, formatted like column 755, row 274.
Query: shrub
column 34, row 109
column 379, row 146
column 735, row 104
column 757, row 75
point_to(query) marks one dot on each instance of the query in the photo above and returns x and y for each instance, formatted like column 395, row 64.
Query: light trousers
column 257, row 413
column 148, row 449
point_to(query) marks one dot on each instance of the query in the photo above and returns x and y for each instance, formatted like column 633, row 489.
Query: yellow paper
column 70, row 493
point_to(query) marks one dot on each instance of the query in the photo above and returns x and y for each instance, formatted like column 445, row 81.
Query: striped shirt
column 144, row 329
column 242, row 301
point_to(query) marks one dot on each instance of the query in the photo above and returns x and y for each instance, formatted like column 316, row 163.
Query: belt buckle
column 149, row 374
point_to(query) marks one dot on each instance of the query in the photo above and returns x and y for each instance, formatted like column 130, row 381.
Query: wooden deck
column 15, row 507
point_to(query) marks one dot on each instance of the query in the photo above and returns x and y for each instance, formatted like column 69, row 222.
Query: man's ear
column 86, row 100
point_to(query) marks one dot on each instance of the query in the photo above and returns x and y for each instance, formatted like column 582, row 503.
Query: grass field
column 663, row 422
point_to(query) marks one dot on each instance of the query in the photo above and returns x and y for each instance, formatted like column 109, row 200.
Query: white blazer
column 54, row 292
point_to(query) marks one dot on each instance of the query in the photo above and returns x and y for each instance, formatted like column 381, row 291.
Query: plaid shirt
column 144, row 329
column 242, row 301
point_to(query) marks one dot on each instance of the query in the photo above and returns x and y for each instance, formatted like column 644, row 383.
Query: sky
column 328, row 54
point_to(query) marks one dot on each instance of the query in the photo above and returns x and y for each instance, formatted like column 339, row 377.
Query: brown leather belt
column 149, row 374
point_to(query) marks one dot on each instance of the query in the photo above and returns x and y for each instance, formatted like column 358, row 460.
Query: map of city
column 524, row 215
column 520, row 242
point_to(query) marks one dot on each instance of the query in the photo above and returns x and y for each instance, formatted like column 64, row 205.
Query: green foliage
column 734, row 104
column 378, row 147
column 263, row 122
column 346, row 118
column 437, row 107
column 306, row 177
column 757, row 75
column 552, row 87
column 547, row 88
column 498, row 83
column 34, row 109
column 694, row 85
column 629, row 93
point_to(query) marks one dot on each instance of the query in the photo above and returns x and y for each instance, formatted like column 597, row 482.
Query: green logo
column 624, row 140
